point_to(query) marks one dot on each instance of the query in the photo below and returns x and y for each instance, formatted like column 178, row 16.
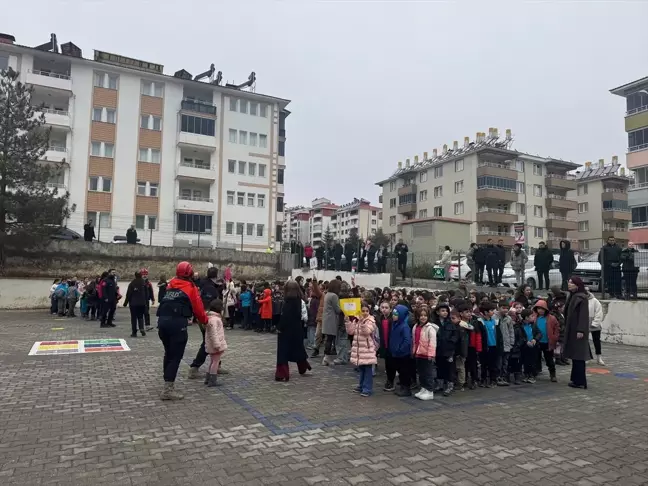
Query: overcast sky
column 375, row 82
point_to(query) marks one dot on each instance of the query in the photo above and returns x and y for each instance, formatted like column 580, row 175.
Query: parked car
column 589, row 270
column 121, row 240
column 530, row 274
column 438, row 270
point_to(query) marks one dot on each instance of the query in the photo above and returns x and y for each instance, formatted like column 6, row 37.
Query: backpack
column 59, row 293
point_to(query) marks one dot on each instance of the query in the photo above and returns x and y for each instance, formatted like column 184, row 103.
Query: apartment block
column 636, row 125
column 602, row 196
column 296, row 224
column 321, row 216
column 485, row 182
column 187, row 159
column 358, row 214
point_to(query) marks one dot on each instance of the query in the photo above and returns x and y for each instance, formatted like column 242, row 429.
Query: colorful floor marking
column 41, row 348
column 58, row 328
column 598, row 371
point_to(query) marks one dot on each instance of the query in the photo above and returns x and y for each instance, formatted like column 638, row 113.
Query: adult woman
column 330, row 319
column 596, row 321
column 576, row 345
column 519, row 260
column 446, row 260
column 290, row 338
column 567, row 262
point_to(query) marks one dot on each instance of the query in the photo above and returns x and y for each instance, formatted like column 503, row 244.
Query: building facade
column 321, row 214
column 358, row 214
column 296, row 225
column 184, row 159
column 487, row 183
column 636, row 125
column 602, row 196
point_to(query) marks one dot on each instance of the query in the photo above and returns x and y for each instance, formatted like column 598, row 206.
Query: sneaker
column 428, row 395
column 420, row 392
column 525, row 379
column 599, row 360
column 357, row 389
column 170, row 393
column 133, row 335
column 389, row 386
column 531, row 380
column 338, row 361
column 194, row 373
column 461, row 388
column 143, row 333
column 365, row 394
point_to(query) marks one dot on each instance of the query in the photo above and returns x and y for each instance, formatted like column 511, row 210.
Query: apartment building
column 321, row 215
column 358, row 214
column 296, row 224
column 184, row 158
column 485, row 182
column 636, row 125
column 602, row 196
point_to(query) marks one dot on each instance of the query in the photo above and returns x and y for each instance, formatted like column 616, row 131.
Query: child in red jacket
column 265, row 310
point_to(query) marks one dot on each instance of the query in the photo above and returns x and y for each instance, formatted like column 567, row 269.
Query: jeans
column 338, row 264
column 137, row 318
column 343, row 346
column 472, row 271
column 492, row 275
column 246, row 317
column 500, row 272
column 504, row 371
column 471, row 365
column 578, row 376
column 479, row 276
column 519, row 277
column 565, row 278
column 529, row 354
column 366, row 379
column 548, row 357
column 446, row 371
column 62, row 303
column 426, row 372
column 446, row 272
column 630, row 279
column 147, row 316
column 402, row 267
column 329, row 346
column 596, row 337
column 390, row 369
column 543, row 274
column 460, row 366
column 402, row 366
column 310, row 336
column 515, row 365
column 201, row 355
column 174, row 340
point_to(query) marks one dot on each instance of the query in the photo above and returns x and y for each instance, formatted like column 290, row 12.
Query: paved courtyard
column 95, row 418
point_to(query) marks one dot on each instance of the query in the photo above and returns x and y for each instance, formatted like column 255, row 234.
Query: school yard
column 95, row 418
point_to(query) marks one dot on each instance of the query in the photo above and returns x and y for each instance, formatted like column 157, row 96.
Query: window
column 615, row 206
column 498, row 183
column 140, row 222
column 231, row 166
column 95, row 149
column 583, row 207
column 537, row 169
column 4, row 62
column 438, row 172
column 392, row 221
column 640, row 216
column 422, row 213
column 93, row 184
column 107, row 184
column 459, row 207
column 102, row 220
column 538, row 232
column 280, row 176
column 423, row 195
column 250, row 229
column 233, row 102
column 96, row 114
column 280, row 204
column 153, row 189
column 438, row 192
column 583, row 226
column 254, row 108
column 250, row 199
column 193, row 223
column 519, row 188
column 252, row 168
column 141, row 191
column 242, row 137
column 438, row 211
column 637, row 139
column 260, row 229
column 243, row 104
column 230, row 197
column 241, row 166
column 263, row 141
column 459, row 187
column 239, row 229
column 392, row 186
column 584, row 244
column 150, row 88
column 102, row 149
column 582, row 189
column 263, row 110
column 261, row 200
column 253, row 139
column 100, row 184
column 229, row 228
column 232, row 135
column 392, row 202
column 157, row 123
column 537, row 211
column 112, row 81
column 151, row 122
column 144, row 121
column 110, row 115
column 150, row 155
column 459, row 165
column 407, row 199
column 103, row 80
column 108, row 148
column 537, row 190
column 262, row 170
column 240, row 198
column 423, row 176
column 520, row 209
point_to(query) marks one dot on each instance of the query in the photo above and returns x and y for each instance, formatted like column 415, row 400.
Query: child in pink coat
column 215, row 344
column 363, row 348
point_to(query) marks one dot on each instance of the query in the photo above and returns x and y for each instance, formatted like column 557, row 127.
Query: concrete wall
column 367, row 280
column 625, row 322
column 17, row 293
column 81, row 259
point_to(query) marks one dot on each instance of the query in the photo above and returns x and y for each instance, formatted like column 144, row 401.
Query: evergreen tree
column 380, row 239
column 354, row 239
column 30, row 212
column 327, row 238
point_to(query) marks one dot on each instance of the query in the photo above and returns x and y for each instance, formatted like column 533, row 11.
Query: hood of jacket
column 267, row 293
column 567, row 245
column 403, row 313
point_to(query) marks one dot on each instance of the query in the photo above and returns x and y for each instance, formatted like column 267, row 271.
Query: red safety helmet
column 184, row 270
column 144, row 272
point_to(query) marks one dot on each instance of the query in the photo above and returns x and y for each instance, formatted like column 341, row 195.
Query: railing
column 203, row 165
column 636, row 148
column 493, row 233
column 561, row 218
column 193, row 198
column 614, row 189
column 52, row 111
column 493, row 210
column 562, row 176
column 636, row 110
column 57, row 185
column 495, row 165
column 505, row 189
column 640, row 185
column 198, row 106
column 639, row 224
column 614, row 228
column 50, row 74
column 623, row 210
column 556, row 196
column 56, row 148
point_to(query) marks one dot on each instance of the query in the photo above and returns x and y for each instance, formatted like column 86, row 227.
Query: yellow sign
column 123, row 61
column 351, row 307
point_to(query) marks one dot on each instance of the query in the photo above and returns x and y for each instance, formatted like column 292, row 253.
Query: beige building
column 431, row 235
column 486, row 183
column 358, row 214
column 602, row 196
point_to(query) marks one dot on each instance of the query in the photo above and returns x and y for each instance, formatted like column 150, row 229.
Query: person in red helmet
column 181, row 301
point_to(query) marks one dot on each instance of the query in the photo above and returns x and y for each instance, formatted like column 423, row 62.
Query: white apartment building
column 296, row 224
column 322, row 213
column 358, row 214
column 487, row 183
column 184, row 158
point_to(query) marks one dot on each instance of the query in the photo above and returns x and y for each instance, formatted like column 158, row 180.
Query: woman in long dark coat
column 290, row 334
column 576, row 344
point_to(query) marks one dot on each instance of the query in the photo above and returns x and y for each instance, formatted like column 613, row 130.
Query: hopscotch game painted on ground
column 41, row 348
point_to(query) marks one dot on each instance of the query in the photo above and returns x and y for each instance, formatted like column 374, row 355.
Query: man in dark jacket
column 319, row 254
column 88, row 231
column 501, row 255
column 630, row 270
column 371, row 257
column 567, row 263
column 109, row 299
column 131, row 235
column 542, row 260
column 400, row 251
column 479, row 256
column 136, row 296
column 348, row 254
column 610, row 259
column 337, row 255
column 491, row 256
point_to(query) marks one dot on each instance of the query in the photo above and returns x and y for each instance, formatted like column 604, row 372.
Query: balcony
column 191, row 203
column 193, row 140
column 639, row 232
column 483, row 236
column 56, row 153
column 197, row 106
column 614, row 194
column 50, row 79
column 638, row 194
column 553, row 243
column 406, row 190
column 496, row 170
column 193, row 170
column 636, row 120
column 616, row 215
column 494, row 215
column 407, row 208
column 496, row 194
column 618, row 233
column 555, row 222
column 560, row 182
column 554, row 201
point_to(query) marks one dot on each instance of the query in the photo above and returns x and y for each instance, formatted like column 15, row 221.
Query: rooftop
column 624, row 89
column 601, row 171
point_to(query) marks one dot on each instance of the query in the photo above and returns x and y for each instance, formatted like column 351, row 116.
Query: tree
column 327, row 238
column 353, row 238
column 30, row 212
column 380, row 239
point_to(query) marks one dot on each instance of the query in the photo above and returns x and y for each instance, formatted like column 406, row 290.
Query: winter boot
column 194, row 373
column 448, row 390
column 170, row 393
column 517, row 377
column 213, row 380
column 389, row 386
column 404, row 391
column 599, row 360
column 315, row 353
column 553, row 378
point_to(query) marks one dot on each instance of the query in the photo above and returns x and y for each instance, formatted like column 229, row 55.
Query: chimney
column 477, row 136
column 622, row 171
column 588, row 165
column 601, row 162
column 445, row 148
column 425, row 155
column 416, row 159
column 495, row 132
column 7, row 39
column 508, row 134
column 400, row 165
column 434, row 153
column 466, row 141
column 490, row 132
column 406, row 162
column 615, row 159
column 455, row 145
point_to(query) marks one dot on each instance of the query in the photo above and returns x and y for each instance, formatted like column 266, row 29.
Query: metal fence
column 616, row 274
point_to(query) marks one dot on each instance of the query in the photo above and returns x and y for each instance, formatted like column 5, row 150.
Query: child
column 517, row 346
column 215, row 344
column 384, row 322
column 400, row 348
column 313, row 305
column 474, row 343
column 424, row 336
column 550, row 328
column 363, row 348
column 529, row 350
column 447, row 338
column 492, row 337
column 461, row 353
column 246, row 299
column 265, row 310
column 506, row 327
column 72, row 298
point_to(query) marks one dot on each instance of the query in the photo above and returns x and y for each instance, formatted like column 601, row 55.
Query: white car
column 531, row 276
column 454, row 270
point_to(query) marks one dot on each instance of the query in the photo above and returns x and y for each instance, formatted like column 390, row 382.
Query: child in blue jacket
column 400, row 348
